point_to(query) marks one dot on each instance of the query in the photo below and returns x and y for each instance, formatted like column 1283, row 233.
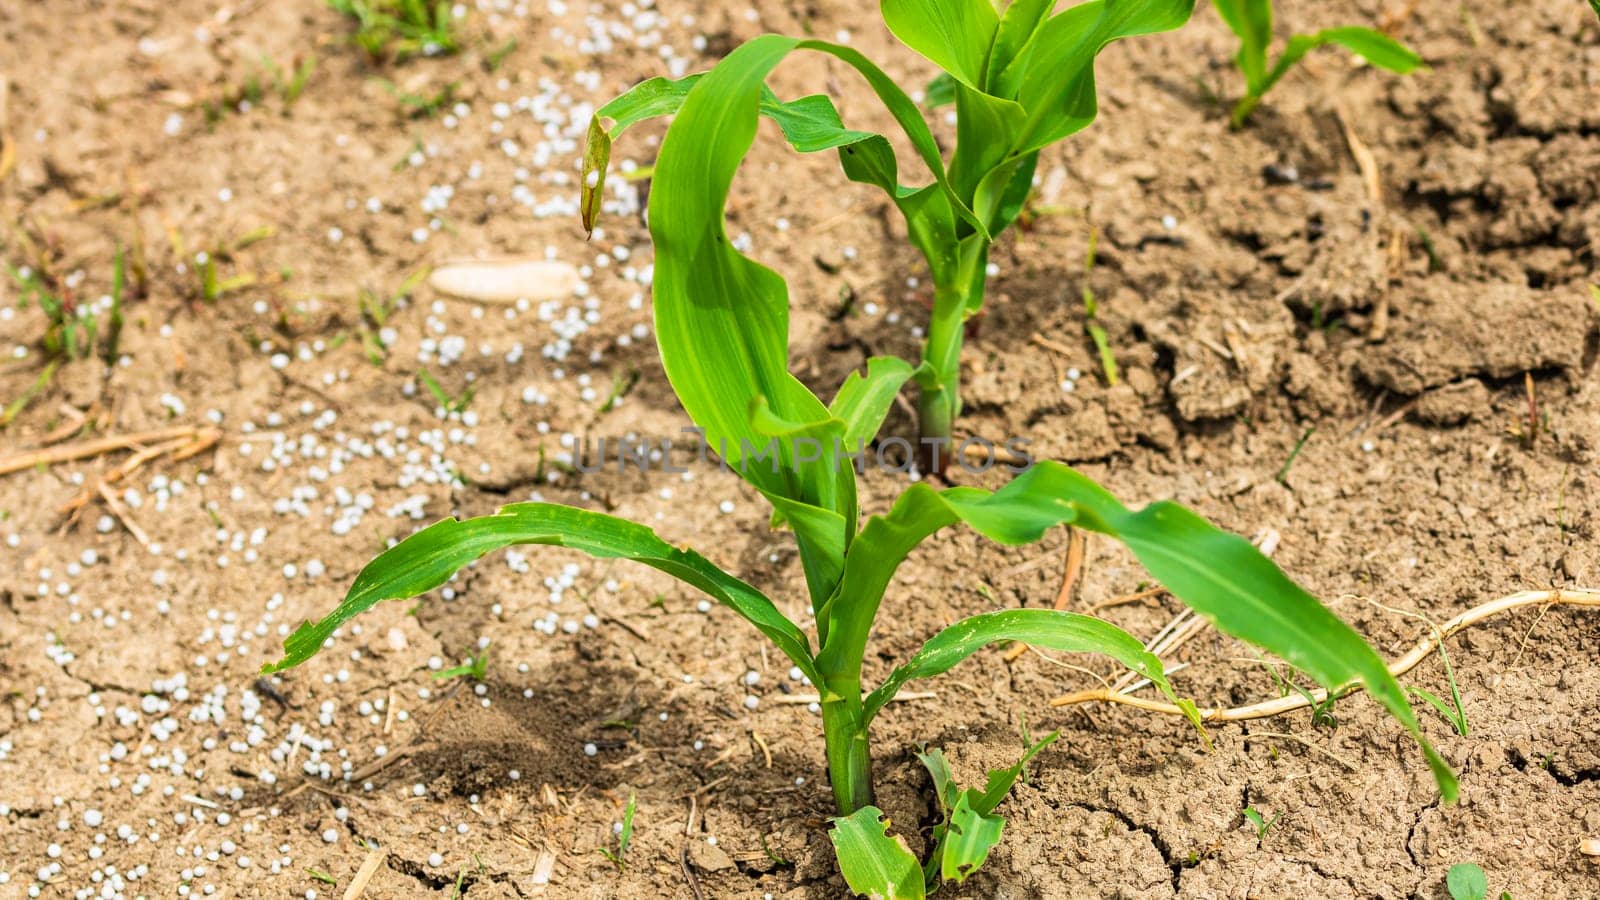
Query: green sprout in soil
column 1283, row 473
column 375, row 310
column 421, row 105
column 449, row 404
column 287, row 83
column 624, row 835
column 474, row 667
column 73, row 325
column 210, row 283
column 1251, row 21
column 1321, row 710
column 722, row 327
column 400, row 29
column 1091, row 312
column 1259, row 822
column 1021, row 79
column 961, row 840
column 74, row 328
column 497, row 57
column 1466, row 881
column 290, row 83
column 1454, row 711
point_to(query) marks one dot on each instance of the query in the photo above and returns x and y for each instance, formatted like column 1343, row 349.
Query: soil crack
column 1176, row 866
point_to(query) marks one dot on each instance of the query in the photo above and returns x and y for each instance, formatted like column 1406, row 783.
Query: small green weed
column 475, row 667
column 396, row 30
column 1091, row 311
column 624, row 835
column 73, row 325
column 421, row 105
column 449, row 404
column 1261, row 823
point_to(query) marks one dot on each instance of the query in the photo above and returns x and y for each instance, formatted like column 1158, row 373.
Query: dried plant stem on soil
column 369, row 868
column 180, row 448
column 1425, row 646
column 17, row 462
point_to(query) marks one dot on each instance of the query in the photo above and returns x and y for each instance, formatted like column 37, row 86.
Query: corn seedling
column 624, row 835
column 1321, row 710
column 1251, row 21
column 1260, row 823
column 961, row 840
column 1021, row 78
column 212, row 285
column 1283, row 473
column 496, row 58
column 399, row 29
column 722, row 326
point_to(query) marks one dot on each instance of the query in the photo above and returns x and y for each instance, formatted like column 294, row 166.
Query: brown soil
column 1412, row 332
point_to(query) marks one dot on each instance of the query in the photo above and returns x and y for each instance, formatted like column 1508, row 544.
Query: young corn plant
column 722, row 325
column 1021, row 78
column 1251, row 21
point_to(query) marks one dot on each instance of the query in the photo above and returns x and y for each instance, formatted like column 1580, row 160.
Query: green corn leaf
column 941, row 91
column 1004, row 191
column 722, row 320
column 822, row 530
column 1057, row 85
column 968, row 829
column 1048, row 628
column 968, row 838
column 945, row 788
column 1386, row 53
column 1251, row 21
column 1220, row 575
column 1019, row 24
column 427, row 559
column 873, row 863
column 864, row 400
column 952, row 34
column 1375, row 47
column 811, row 120
column 986, row 129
